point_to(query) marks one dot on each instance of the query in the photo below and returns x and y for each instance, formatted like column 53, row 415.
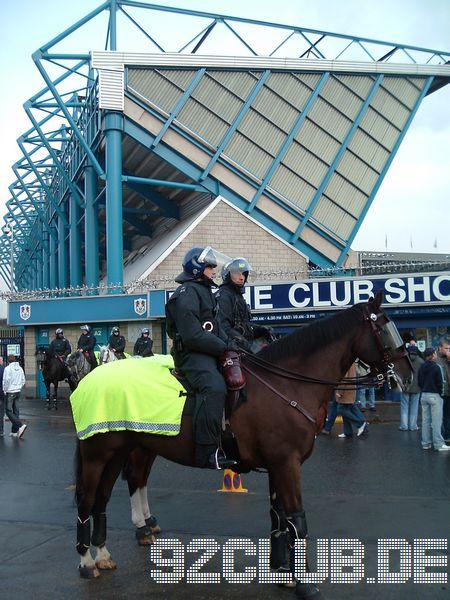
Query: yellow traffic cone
column 232, row 482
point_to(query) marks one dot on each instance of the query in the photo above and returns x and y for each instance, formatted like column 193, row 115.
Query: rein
column 367, row 381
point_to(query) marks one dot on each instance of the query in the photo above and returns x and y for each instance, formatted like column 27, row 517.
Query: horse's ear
column 376, row 302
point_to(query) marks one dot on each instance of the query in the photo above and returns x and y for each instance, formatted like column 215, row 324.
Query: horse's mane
column 314, row 336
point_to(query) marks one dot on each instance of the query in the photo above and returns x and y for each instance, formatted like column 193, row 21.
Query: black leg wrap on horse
column 151, row 521
column 298, row 530
column 143, row 532
column 83, row 536
column 99, row 534
column 279, row 546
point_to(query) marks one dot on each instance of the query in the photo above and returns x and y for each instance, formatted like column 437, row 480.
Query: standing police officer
column 144, row 344
column 234, row 312
column 192, row 324
column 86, row 344
column 116, row 343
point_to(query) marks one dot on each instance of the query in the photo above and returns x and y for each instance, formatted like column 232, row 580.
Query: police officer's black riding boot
column 218, row 460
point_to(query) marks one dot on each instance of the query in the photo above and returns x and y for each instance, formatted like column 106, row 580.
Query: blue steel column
column 53, row 283
column 74, row 243
column 114, row 243
column 63, row 265
column 91, row 246
column 43, row 274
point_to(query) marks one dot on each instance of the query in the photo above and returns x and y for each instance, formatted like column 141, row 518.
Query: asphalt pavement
column 361, row 496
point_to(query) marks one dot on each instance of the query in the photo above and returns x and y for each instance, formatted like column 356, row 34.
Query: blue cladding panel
column 79, row 310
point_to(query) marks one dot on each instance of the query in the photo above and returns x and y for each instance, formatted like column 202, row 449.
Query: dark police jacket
column 235, row 316
column 87, row 342
column 116, row 342
column 60, row 347
column 143, row 346
column 192, row 323
column 234, row 312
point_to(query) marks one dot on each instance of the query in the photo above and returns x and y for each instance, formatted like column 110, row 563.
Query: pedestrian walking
column 13, row 382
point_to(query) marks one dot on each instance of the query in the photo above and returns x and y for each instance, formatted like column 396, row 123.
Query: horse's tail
column 78, row 471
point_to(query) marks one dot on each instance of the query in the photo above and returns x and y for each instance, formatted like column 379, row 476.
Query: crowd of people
column 204, row 325
column 429, row 388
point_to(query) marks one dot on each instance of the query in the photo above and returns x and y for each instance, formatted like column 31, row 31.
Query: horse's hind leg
column 87, row 485
column 103, row 558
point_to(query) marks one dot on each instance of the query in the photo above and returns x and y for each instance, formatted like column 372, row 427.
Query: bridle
column 382, row 372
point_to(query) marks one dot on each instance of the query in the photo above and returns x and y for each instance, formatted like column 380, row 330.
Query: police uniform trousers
column 210, row 393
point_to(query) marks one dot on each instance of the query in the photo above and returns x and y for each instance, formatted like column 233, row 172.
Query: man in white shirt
column 13, row 382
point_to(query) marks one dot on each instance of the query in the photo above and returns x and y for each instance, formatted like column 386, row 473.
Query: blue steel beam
column 37, row 56
column 287, row 142
column 337, row 159
column 57, row 163
column 394, row 150
column 44, row 186
column 235, row 124
column 167, row 208
column 179, row 105
column 216, row 188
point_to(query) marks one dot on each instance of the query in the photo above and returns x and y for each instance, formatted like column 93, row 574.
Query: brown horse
column 289, row 384
column 53, row 371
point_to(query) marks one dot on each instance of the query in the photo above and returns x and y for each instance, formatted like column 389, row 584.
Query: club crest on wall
column 25, row 311
column 140, row 306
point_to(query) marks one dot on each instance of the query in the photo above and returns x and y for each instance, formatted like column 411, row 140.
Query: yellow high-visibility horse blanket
column 136, row 394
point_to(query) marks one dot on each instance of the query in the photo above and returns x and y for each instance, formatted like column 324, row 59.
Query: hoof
column 146, row 540
column 48, row 406
column 153, row 524
column 106, row 564
column 307, row 590
column 88, row 572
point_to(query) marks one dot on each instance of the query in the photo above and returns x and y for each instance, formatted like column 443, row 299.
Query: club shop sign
column 323, row 294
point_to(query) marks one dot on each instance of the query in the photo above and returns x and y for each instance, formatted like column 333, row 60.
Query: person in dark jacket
column 431, row 382
column 198, row 342
column 144, row 344
column 116, row 343
column 234, row 312
column 60, row 346
column 86, row 343
column 409, row 399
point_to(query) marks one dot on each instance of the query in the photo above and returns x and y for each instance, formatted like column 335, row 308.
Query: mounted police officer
column 144, row 344
column 234, row 313
column 86, row 343
column 61, row 348
column 116, row 343
column 198, row 342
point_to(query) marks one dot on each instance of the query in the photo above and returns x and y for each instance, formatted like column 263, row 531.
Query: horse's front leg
column 55, row 396
column 289, row 527
column 47, row 394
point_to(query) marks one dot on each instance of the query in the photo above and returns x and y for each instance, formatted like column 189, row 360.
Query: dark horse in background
column 289, row 384
column 53, row 371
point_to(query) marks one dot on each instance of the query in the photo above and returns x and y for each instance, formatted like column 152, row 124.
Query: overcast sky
column 411, row 210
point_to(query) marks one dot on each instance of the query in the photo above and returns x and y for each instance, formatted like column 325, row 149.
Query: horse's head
column 381, row 346
column 42, row 356
column 103, row 355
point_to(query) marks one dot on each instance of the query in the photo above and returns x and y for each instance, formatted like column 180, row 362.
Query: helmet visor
column 213, row 258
